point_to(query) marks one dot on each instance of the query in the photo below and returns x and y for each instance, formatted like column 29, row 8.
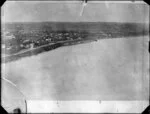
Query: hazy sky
column 93, row 12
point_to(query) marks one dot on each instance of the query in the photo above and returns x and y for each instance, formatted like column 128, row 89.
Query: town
column 20, row 40
column 14, row 43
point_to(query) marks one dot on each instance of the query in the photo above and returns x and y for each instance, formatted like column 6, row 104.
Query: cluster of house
column 41, row 39
column 27, row 44
column 6, row 36
column 52, row 37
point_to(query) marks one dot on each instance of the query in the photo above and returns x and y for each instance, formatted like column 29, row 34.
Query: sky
column 33, row 11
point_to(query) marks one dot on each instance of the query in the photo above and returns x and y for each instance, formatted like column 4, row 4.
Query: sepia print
column 75, row 56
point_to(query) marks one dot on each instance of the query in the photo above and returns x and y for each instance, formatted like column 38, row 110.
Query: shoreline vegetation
column 48, row 36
